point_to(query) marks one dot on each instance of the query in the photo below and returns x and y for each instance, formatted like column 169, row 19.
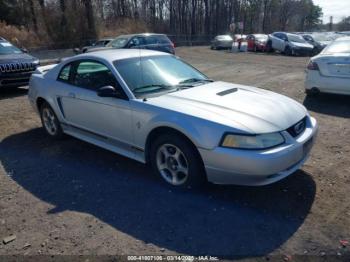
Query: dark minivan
column 157, row 42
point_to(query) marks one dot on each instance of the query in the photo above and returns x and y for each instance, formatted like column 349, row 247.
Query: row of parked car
column 328, row 70
column 287, row 43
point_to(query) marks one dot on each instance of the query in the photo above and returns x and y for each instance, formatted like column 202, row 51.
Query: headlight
column 263, row 141
column 36, row 62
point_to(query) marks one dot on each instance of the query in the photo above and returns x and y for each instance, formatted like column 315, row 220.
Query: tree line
column 60, row 22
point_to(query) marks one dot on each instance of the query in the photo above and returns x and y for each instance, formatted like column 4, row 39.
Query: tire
column 50, row 121
column 177, row 162
column 288, row 51
column 313, row 92
column 269, row 48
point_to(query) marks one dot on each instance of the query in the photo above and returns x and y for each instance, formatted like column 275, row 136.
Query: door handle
column 72, row 95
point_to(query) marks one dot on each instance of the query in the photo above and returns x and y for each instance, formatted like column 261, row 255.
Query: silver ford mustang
column 157, row 109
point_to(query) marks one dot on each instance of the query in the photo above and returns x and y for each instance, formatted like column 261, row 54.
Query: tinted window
column 119, row 42
column 65, row 73
column 152, row 40
column 93, row 75
column 296, row 38
column 163, row 39
column 307, row 38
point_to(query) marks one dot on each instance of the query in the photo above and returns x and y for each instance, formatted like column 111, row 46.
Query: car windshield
column 7, row 48
column 261, row 37
column 156, row 74
column 296, row 38
column 119, row 42
column 338, row 47
column 225, row 37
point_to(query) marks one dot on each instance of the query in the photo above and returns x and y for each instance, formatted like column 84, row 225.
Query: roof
column 141, row 34
column 112, row 55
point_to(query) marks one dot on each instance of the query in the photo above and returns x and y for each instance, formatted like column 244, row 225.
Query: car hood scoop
column 227, row 92
column 253, row 109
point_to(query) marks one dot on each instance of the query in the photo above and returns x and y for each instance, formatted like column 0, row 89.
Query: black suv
column 16, row 66
column 158, row 42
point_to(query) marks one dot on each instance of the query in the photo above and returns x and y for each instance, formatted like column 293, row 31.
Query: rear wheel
column 313, row 92
column 50, row 121
column 177, row 161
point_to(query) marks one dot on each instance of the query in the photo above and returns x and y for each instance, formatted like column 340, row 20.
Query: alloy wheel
column 172, row 164
column 49, row 120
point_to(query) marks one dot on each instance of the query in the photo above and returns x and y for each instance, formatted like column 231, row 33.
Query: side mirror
column 24, row 50
column 108, row 91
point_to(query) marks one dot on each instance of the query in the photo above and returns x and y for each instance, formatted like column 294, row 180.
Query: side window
column 278, row 35
column 152, row 40
column 137, row 41
column 65, row 73
column 93, row 75
column 284, row 37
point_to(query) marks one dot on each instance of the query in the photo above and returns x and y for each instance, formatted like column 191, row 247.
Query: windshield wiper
column 195, row 80
column 160, row 87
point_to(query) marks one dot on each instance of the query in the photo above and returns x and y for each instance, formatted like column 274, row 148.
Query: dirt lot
column 70, row 197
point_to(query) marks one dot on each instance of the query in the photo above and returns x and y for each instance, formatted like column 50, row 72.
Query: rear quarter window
column 65, row 73
column 159, row 39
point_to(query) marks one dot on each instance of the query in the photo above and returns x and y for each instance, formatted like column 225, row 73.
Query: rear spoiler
column 44, row 69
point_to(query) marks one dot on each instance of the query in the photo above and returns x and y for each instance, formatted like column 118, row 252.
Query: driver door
column 83, row 109
column 279, row 42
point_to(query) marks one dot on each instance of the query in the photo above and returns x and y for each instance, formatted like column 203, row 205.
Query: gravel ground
column 73, row 198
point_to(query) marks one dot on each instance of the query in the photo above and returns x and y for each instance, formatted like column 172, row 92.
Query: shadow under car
column 223, row 221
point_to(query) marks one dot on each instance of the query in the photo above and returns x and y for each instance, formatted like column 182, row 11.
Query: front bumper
column 302, row 51
column 15, row 79
column 257, row 168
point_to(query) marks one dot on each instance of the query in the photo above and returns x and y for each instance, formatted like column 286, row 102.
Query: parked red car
column 257, row 42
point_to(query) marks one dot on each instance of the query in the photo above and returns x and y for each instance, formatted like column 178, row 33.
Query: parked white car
column 329, row 71
column 289, row 44
column 154, row 108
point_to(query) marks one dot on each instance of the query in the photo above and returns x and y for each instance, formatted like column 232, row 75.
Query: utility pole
column 331, row 23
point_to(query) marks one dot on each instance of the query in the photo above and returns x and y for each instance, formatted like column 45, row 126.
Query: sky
column 336, row 8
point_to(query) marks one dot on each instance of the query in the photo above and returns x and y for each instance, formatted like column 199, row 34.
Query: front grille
column 298, row 128
column 17, row 67
column 15, row 78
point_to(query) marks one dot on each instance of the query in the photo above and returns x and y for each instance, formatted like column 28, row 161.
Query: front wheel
column 269, row 48
column 50, row 121
column 177, row 162
column 288, row 51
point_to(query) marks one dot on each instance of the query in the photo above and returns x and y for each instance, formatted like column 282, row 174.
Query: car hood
column 13, row 58
column 324, row 43
column 248, row 109
column 302, row 45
